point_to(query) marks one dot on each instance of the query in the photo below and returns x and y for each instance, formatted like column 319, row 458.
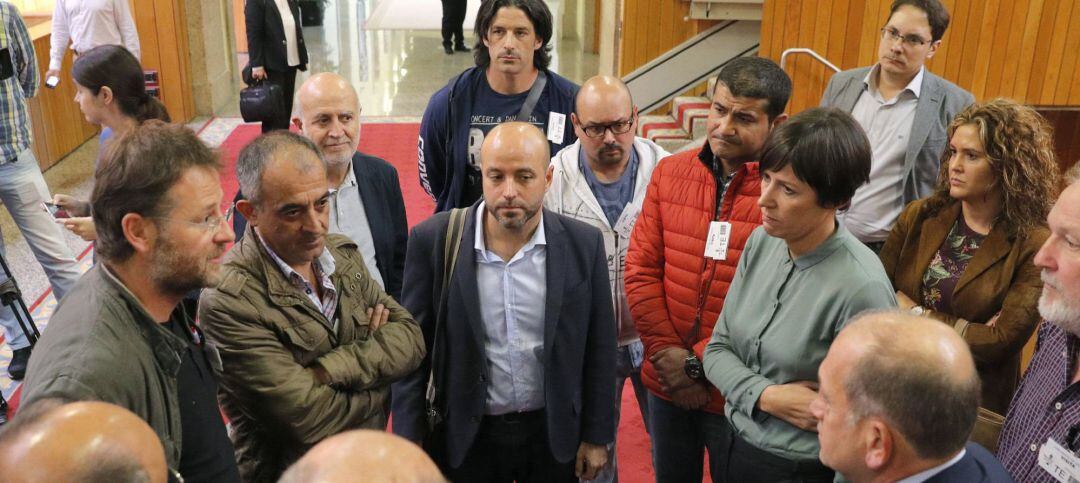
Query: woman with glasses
column 964, row 254
column 801, row 277
column 111, row 92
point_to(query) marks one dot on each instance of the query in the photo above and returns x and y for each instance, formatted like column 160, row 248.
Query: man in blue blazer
column 524, row 344
column 897, row 401
column 905, row 110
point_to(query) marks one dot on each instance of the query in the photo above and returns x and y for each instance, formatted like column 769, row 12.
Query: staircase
column 684, row 128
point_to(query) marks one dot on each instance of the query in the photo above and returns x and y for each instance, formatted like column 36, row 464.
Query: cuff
column 747, row 401
column 961, row 326
column 338, row 368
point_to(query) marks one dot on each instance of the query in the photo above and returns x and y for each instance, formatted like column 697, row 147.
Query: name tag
column 1061, row 463
column 625, row 224
column 556, row 127
column 717, row 242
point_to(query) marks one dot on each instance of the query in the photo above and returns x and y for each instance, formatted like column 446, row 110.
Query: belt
column 514, row 418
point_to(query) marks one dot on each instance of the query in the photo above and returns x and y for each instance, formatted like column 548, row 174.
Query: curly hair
column 1019, row 147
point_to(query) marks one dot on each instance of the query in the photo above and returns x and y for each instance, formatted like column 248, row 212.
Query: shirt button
column 1057, row 406
column 1034, row 448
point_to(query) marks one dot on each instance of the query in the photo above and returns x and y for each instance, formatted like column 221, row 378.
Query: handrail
column 815, row 55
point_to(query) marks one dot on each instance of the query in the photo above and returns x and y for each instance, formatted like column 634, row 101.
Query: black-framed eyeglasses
column 910, row 40
column 617, row 127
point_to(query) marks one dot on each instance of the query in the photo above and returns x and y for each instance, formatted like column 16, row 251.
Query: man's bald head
column 328, row 113
column 80, row 441
column 518, row 140
column 603, row 90
column 916, row 373
column 378, row 455
column 605, row 119
column 514, row 172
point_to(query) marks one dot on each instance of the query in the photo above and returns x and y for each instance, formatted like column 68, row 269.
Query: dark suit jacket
column 380, row 191
column 266, row 35
column 977, row 466
column 1000, row 278
column 579, row 338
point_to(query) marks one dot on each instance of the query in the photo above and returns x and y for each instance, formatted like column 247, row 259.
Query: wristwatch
column 693, row 367
column 917, row 310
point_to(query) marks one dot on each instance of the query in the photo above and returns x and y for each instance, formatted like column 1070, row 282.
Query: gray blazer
column 939, row 101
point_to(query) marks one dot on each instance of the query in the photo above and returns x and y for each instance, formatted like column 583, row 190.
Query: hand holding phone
column 52, row 81
column 55, row 211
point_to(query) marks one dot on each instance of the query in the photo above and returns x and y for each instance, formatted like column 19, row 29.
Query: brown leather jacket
column 1000, row 278
column 269, row 334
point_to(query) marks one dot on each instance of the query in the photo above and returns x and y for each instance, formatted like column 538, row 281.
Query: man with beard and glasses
column 511, row 82
column 309, row 341
column 121, row 335
column 601, row 180
column 1042, row 428
column 905, row 110
column 523, row 349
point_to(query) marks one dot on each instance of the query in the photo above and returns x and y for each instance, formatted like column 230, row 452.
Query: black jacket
column 380, row 192
column 266, row 35
column 579, row 339
column 977, row 466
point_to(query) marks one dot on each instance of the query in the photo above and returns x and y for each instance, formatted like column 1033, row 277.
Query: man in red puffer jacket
column 699, row 210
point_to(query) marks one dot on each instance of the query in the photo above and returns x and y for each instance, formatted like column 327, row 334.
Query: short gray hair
column 254, row 157
column 1072, row 175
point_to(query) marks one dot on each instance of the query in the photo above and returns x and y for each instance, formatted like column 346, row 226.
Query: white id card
column 717, row 242
column 1061, row 463
column 625, row 224
column 556, row 127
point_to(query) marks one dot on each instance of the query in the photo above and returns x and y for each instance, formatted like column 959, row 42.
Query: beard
column 512, row 222
column 1061, row 312
column 175, row 271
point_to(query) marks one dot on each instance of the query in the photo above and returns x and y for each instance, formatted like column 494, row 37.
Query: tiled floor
column 395, row 72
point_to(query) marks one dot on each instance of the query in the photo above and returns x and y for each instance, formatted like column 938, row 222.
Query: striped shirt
column 15, row 129
column 1046, row 405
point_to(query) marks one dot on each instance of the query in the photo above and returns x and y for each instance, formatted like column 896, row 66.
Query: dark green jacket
column 102, row 345
column 269, row 333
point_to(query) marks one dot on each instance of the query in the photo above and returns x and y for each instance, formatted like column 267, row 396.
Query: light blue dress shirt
column 512, row 299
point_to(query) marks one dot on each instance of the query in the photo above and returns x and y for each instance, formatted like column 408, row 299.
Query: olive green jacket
column 269, row 334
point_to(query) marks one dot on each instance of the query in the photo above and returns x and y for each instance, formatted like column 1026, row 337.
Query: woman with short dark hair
column 964, row 254
column 801, row 277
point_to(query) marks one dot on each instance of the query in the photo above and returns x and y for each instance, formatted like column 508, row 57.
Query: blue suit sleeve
column 432, row 149
column 408, row 404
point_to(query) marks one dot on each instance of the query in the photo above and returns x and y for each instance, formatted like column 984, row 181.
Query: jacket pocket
column 306, row 337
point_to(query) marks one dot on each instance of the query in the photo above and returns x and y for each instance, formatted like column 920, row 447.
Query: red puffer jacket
column 669, row 281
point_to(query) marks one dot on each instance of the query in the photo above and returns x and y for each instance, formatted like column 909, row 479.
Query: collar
column 915, row 86
column 164, row 343
column 350, row 177
column 709, row 160
column 324, row 264
column 539, row 238
column 823, row 250
column 930, row 473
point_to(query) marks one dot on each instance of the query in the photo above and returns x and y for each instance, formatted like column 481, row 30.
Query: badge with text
column 717, row 242
column 625, row 224
column 1061, row 463
column 556, row 127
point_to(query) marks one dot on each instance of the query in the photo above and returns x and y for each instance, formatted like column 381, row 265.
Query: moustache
column 1048, row 279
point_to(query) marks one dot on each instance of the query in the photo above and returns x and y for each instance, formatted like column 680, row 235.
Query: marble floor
column 395, row 72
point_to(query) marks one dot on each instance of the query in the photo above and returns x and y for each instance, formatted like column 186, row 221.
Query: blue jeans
column 23, row 189
column 679, row 439
column 627, row 365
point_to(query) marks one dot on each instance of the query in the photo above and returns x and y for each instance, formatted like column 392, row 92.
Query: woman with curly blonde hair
column 964, row 254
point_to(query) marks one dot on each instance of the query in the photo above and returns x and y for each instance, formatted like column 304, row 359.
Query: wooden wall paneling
column 1013, row 51
column 792, row 14
column 1069, row 63
column 1036, row 74
column 664, row 30
column 834, row 52
column 1000, row 50
column 626, row 44
column 966, row 75
column 948, row 65
column 849, row 55
column 1027, row 50
column 820, row 44
column 1056, row 55
column 986, row 41
column 875, row 19
column 768, row 18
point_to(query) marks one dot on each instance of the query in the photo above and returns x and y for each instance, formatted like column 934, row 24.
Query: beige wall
column 214, row 72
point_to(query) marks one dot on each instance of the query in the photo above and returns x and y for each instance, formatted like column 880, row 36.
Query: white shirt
column 877, row 204
column 348, row 217
column 930, row 473
column 91, row 23
column 291, row 50
column 513, row 295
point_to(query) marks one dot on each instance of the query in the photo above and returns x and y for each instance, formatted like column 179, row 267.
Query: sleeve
column 269, row 384
column 870, row 295
column 894, row 244
column 254, row 13
column 126, row 25
column 61, row 35
column 22, row 54
column 723, row 367
column 408, row 403
column 401, row 236
column 598, row 394
column 431, row 149
column 1017, row 318
column 389, row 353
column 645, row 275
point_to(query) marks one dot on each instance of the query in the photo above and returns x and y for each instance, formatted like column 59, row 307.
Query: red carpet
column 396, row 143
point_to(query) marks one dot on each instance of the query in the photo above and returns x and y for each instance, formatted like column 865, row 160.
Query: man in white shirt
column 897, row 401
column 904, row 110
column 85, row 24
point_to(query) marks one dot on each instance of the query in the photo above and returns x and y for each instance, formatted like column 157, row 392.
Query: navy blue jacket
column 443, row 148
column 579, row 339
column 380, row 192
column 977, row 466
